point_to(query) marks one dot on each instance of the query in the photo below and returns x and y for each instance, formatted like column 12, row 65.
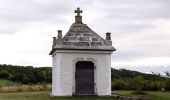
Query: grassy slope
column 154, row 95
column 44, row 96
column 4, row 83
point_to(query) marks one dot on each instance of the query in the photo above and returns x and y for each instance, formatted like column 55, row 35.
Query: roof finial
column 78, row 11
column 78, row 17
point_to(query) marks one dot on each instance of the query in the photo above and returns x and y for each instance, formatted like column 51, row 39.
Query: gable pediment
column 82, row 36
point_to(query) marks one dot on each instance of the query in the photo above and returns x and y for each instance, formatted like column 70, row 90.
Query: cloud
column 126, row 16
column 140, row 29
column 147, row 47
column 28, row 47
column 16, row 15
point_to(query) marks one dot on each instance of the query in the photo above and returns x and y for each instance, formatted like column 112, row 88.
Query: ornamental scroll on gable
column 80, row 36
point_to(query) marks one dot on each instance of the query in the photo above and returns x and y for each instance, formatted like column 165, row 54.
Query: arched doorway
column 84, row 78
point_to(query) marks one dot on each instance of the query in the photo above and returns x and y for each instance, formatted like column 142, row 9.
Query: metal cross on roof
column 78, row 11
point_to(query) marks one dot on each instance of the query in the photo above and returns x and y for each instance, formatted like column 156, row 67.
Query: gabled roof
column 81, row 37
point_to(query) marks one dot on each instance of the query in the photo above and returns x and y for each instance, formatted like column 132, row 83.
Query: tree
column 118, row 85
column 138, row 83
column 49, row 76
column 4, row 74
column 167, row 73
column 11, row 77
column 41, row 76
column 25, row 80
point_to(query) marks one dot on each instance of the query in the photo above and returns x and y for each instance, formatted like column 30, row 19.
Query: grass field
column 154, row 95
column 44, row 95
column 7, row 86
column 20, row 94
column 5, row 83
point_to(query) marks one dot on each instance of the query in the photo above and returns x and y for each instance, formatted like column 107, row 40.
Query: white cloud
column 150, row 46
column 140, row 29
column 30, row 46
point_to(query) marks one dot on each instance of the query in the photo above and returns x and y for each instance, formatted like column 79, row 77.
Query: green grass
column 122, row 92
column 154, row 95
column 159, row 95
column 5, row 83
column 44, row 96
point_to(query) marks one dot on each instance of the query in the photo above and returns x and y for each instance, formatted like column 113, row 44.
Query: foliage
column 167, row 84
column 26, row 74
column 138, row 83
column 118, row 85
column 122, row 79
column 4, row 74
column 123, row 73
column 167, row 73
column 25, row 80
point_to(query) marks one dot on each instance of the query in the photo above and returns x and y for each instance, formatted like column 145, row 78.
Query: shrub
column 25, row 80
column 44, row 86
column 30, row 88
column 118, row 85
column 138, row 83
column 4, row 74
column 167, row 84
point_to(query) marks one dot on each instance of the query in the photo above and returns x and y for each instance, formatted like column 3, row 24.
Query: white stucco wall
column 63, row 77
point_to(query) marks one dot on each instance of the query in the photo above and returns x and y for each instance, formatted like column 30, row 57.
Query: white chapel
column 81, row 61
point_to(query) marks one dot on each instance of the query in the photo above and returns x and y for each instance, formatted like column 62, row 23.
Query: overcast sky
column 140, row 30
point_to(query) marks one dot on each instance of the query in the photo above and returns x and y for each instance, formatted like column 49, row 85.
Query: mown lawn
column 154, row 95
column 44, row 96
column 159, row 95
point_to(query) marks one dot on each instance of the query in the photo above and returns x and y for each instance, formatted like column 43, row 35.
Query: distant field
column 7, row 86
column 16, row 92
column 154, row 95
column 5, row 83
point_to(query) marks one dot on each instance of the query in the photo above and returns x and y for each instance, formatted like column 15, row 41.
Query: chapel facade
column 81, row 61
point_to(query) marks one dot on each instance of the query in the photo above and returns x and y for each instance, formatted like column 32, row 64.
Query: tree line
column 26, row 74
column 122, row 79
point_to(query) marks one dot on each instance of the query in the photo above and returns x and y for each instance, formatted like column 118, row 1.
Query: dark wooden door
column 84, row 78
